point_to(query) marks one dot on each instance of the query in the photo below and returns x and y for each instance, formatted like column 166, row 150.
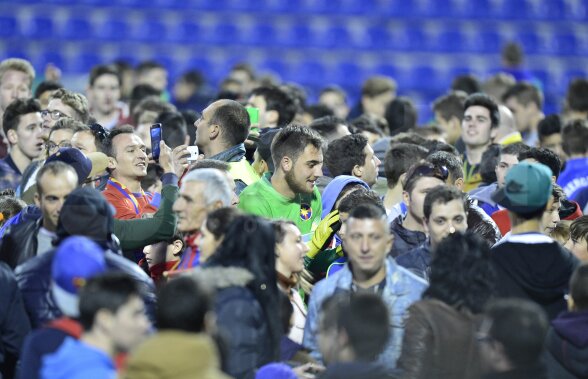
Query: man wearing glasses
column 22, row 124
column 65, row 103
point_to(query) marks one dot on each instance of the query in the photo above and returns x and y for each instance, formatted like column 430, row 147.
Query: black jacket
column 404, row 239
column 14, row 323
column 417, row 260
column 534, row 267
column 19, row 243
column 357, row 370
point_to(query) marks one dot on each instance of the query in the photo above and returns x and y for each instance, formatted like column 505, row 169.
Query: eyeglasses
column 52, row 147
column 99, row 131
column 55, row 115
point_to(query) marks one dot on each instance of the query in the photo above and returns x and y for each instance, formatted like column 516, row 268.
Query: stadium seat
column 345, row 74
column 451, row 40
column 184, row 31
column 39, row 27
column 77, row 29
column 83, row 62
column 113, row 30
column 8, row 26
column 299, row 35
column 150, row 30
column 565, row 43
column 309, row 72
column 376, row 37
column 261, row 34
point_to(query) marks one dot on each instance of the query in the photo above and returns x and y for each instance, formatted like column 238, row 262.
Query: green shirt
column 262, row 199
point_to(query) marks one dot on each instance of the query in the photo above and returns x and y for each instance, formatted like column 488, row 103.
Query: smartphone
column 193, row 150
column 253, row 116
column 155, row 139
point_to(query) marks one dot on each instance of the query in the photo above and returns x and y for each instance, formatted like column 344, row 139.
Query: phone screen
column 155, row 139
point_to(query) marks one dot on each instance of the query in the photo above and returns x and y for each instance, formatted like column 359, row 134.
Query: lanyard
column 126, row 193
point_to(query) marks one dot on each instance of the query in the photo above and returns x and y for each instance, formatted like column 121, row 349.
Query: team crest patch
column 305, row 212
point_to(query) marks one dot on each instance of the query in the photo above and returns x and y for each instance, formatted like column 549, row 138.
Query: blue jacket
column 240, row 319
column 34, row 281
column 401, row 290
column 404, row 239
column 417, row 260
column 76, row 360
column 574, row 177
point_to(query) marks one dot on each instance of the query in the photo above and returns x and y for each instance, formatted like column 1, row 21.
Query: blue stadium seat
column 355, row 7
column 39, row 27
column 298, row 36
column 261, row 34
column 565, row 43
column 309, row 72
column 513, row 10
column 424, row 78
column 77, row 29
column 450, row 40
column 398, row 8
column 50, row 55
column 150, row 30
column 387, row 70
column 376, row 37
column 336, row 36
column 8, row 26
column 486, row 41
column 113, row 30
column 551, row 10
column 185, row 31
column 346, row 74
column 83, row 62
column 275, row 66
column 531, row 41
column 411, row 38
column 478, row 9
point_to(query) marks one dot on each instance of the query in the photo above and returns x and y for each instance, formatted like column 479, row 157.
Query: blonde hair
column 76, row 101
column 17, row 64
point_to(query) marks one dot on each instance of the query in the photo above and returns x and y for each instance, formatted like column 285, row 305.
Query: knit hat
column 85, row 166
column 527, row 188
column 76, row 260
column 275, row 371
column 86, row 212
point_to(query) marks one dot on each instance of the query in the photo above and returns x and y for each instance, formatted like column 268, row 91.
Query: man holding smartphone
column 220, row 135
column 128, row 165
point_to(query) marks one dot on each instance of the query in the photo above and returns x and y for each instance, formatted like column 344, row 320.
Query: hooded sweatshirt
column 333, row 190
column 186, row 355
column 567, row 343
column 77, row 360
column 534, row 267
column 483, row 196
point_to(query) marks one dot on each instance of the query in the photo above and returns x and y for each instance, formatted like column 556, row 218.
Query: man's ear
column 37, row 197
column 111, row 163
column 12, row 136
column 459, row 184
column 286, row 164
column 406, row 198
column 214, row 131
column 272, row 117
column 357, row 171
column 177, row 247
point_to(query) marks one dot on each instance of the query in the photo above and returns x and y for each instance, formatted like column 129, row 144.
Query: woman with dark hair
column 439, row 340
column 242, row 270
column 213, row 230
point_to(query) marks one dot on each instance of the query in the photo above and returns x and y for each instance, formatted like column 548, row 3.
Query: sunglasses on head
column 99, row 131
column 439, row 172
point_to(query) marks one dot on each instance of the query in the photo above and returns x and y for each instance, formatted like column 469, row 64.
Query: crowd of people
column 325, row 240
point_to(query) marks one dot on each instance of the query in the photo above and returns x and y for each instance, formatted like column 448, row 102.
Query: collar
column 11, row 163
column 233, row 154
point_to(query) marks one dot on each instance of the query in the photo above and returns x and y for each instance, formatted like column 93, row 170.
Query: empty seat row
column 493, row 9
column 450, row 39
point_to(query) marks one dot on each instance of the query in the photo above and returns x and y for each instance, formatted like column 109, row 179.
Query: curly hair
column 461, row 273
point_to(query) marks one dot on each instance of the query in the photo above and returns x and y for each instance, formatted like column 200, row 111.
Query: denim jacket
column 401, row 290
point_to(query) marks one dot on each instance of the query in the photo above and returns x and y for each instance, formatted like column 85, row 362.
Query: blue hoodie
column 334, row 188
column 76, row 360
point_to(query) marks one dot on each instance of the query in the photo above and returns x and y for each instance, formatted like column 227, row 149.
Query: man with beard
column 290, row 192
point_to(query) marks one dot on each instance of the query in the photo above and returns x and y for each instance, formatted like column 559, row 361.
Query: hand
column 308, row 370
column 324, row 232
column 179, row 159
